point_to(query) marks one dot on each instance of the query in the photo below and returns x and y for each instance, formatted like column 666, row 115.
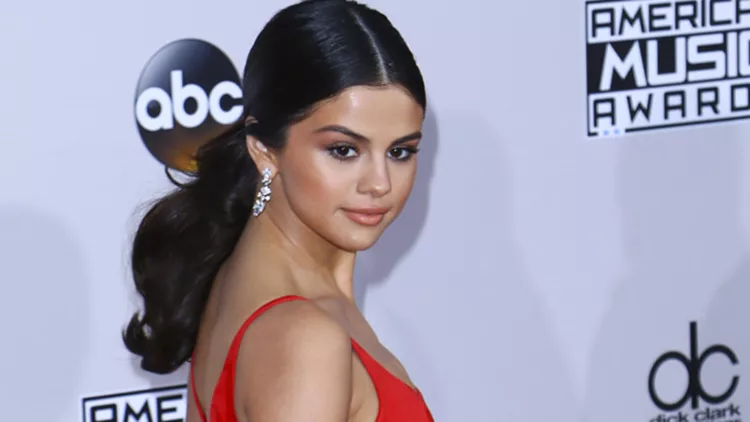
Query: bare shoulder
column 295, row 364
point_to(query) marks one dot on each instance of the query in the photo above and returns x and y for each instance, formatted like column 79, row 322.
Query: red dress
column 398, row 401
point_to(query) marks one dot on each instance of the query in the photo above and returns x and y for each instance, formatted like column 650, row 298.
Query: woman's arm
column 297, row 367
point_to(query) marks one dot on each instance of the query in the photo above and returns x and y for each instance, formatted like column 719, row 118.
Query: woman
column 248, row 268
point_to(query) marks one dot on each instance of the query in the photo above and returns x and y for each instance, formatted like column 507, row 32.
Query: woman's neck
column 306, row 256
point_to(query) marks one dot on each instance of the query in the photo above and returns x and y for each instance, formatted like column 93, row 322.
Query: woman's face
column 347, row 170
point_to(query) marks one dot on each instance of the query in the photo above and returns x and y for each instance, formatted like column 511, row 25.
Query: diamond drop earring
column 264, row 193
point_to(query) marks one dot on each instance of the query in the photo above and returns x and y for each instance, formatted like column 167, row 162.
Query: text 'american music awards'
column 664, row 64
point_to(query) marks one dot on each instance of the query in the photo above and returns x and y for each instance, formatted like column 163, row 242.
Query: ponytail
column 179, row 247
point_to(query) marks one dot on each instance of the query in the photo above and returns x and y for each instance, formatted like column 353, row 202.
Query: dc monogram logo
column 188, row 93
column 693, row 365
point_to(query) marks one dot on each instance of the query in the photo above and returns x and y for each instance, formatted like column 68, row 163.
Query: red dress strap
column 227, row 376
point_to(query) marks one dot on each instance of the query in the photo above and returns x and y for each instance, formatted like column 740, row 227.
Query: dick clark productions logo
column 717, row 404
column 188, row 93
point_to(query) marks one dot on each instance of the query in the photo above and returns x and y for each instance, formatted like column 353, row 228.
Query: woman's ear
column 261, row 155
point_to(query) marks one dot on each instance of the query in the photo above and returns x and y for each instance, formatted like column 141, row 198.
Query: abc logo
column 188, row 93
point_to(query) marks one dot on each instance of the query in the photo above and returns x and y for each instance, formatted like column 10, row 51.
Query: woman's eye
column 402, row 154
column 342, row 152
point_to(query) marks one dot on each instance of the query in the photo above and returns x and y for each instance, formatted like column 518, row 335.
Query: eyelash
column 335, row 150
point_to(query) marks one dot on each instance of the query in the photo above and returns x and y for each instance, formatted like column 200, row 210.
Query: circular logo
column 188, row 93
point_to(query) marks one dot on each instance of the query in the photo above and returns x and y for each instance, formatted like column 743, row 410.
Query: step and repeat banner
column 575, row 248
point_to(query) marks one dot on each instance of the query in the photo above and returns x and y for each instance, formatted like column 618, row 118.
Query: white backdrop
column 537, row 273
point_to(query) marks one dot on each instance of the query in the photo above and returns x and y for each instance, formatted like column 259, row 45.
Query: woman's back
column 292, row 349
